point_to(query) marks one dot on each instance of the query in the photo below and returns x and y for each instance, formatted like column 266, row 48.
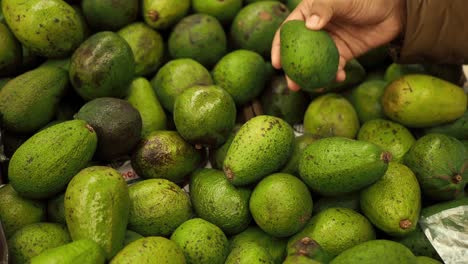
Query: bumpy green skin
column 109, row 14
column 310, row 249
column 205, row 115
column 374, row 58
column 34, row 239
column 366, row 99
column 10, row 52
column 17, row 212
column 336, row 166
column 242, row 74
column 350, row 201
column 165, row 154
column 49, row 28
column 355, row 74
column 286, row 212
column 201, row 242
column 418, row 243
column 218, row 155
column 56, row 209
column 82, row 251
column 131, row 236
column 300, row 143
column 92, row 76
column 336, row 229
column 331, row 115
column 439, row 162
column 59, row 63
column 299, row 259
column 28, row 102
column 97, row 207
column 175, row 77
column 217, row 201
column 249, row 253
column 255, row 25
column 418, row 100
column 157, row 207
column 117, row 124
column 262, row 146
column 276, row 247
column 147, row 46
column 143, row 98
column 162, row 14
column 388, row 135
column 376, row 251
column 426, row 260
column 278, row 100
column 457, row 129
column 150, row 250
column 393, row 203
column 200, row 37
column 396, row 71
column 224, row 11
column 45, row 163
column 310, row 68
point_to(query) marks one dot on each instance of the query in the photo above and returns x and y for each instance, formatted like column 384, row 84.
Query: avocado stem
column 457, row 179
column 405, row 224
column 386, row 156
column 198, row 146
column 153, row 15
column 229, row 174
column 90, row 128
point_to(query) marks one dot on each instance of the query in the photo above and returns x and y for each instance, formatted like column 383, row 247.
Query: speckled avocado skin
column 367, row 100
column 83, row 251
column 249, row 253
column 457, row 129
column 310, row 68
column 109, row 14
column 162, row 14
column 262, row 146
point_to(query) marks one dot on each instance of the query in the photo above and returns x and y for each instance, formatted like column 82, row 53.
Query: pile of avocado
column 165, row 84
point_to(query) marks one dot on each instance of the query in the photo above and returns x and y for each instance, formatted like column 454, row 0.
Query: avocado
column 367, row 100
column 423, row 101
column 418, row 243
column 396, row 71
column 131, row 236
column 175, row 77
column 426, row 260
column 11, row 55
column 388, row 135
column 310, row 68
column 262, row 146
column 331, row 115
column 56, row 209
column 335, row 230
column 109, row 14
column 117, row 124
column 439, row 207
column 17, row 212
column 255, row 25
column 45, row 163
column 336, row 166
column 143, row 98
column 286, row 212
column 249, row 253
column 28, row 102
column 201, row 242
column 355, row 74
column 457, row 129
column 224, row 11
column 278, row 100
column 163, row 14
column 217, row 201
column 165, row 154
column 157, row 207
column 147, row 46
column 242, row 74
column 310, row 249
column 34, row 239
column 439, row 162
column 97, row 208
column 205, row 115
column 81, row 251
column 393, row 203
column 218, row 155
column 102, row 66
column 51, row 29
column 300, row 143
column 199, row 37
column 276, row 247
column 150, row 250
column 299, row 259
column 350, row 201
column 375, row 251
column 59, row 63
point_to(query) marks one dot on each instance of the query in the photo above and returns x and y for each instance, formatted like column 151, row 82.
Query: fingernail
column 313, row 21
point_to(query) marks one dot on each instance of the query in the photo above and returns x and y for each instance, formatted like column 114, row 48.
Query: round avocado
column 117, row 124
column 162, row 14
column 366, row 99
column 224, row 10
column 149, row 250
column 109, row 14
column 249, row 253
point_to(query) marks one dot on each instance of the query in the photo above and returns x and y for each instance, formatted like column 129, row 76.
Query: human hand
column 356, row 26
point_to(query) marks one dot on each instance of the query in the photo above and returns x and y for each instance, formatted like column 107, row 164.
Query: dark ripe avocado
column 117, row 124
column 310, row 58
column 109, row 14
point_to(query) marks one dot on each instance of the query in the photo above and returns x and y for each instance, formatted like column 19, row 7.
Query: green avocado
column 350, row 201
column 396, row 71
column 310, row 250
column 426, row 260
column 131, row 236
column 109, row 14
column 300, row 143
column 457, row 129
column 249, row 253
column 218, row 155
column 81, row 251
column 224, row 11
column 163, row 14
column 418, row 243
column 367, row 100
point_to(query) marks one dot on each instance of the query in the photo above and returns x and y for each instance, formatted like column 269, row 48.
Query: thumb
column 319, row 13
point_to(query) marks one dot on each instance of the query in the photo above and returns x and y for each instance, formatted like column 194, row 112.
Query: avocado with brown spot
column 162, row 14
column 109, row 14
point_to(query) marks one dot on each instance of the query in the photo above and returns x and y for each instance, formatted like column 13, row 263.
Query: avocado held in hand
column 310, row 58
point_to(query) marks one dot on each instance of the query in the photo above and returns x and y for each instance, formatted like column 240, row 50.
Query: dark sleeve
column 436, row 31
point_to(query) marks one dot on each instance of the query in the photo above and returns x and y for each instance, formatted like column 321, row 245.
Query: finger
column 340, row 76
column 320, row 13
column 292, row 85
